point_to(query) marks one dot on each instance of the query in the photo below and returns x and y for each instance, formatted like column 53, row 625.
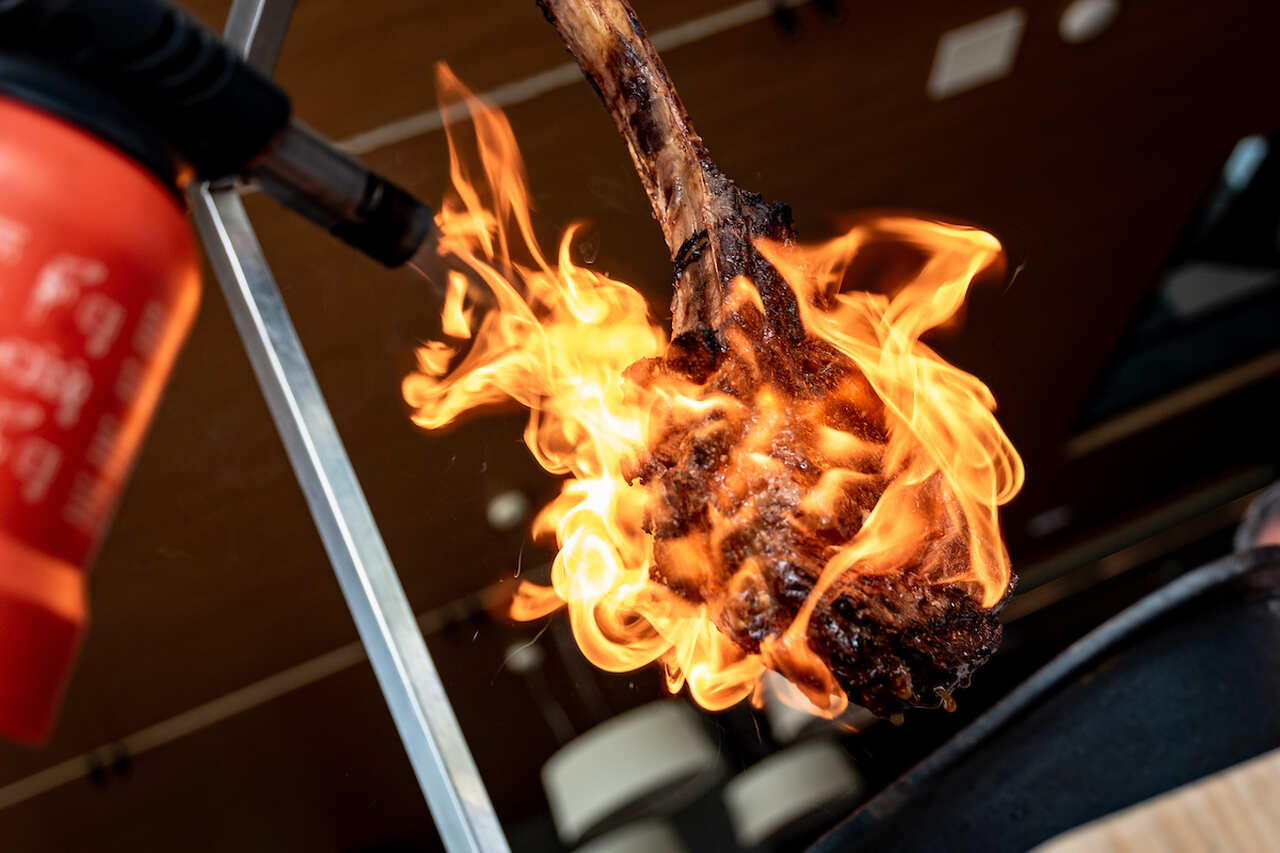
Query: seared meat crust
column 743, row 538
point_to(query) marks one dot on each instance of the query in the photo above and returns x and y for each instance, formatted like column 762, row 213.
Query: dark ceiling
column 1087, row 162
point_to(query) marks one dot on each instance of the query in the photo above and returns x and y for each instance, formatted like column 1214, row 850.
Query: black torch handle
column 215, row 111
column 220, row 115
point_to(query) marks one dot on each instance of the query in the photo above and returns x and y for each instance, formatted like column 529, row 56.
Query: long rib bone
column 707, row 220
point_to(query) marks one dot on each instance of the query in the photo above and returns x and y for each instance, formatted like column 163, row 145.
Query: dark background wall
column 1088, row 161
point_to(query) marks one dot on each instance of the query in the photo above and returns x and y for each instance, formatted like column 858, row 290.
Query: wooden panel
column 281, row 777
column 1231, row 810
column 350, row 67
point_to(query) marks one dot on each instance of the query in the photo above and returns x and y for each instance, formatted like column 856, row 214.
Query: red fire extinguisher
column 97, row 290
column 105, row 110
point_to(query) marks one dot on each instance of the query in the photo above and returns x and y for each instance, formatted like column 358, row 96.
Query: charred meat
column 890, row 640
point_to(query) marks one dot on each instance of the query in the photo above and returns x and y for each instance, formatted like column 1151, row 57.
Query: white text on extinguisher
column 63, row 282
column 39, row 370
column 13, row 240
column 50, row 387
column 17, row 417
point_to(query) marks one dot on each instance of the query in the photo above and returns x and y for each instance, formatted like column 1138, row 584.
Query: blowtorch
column 108, row 111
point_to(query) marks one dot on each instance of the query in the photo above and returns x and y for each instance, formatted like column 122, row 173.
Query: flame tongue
column 819, row 499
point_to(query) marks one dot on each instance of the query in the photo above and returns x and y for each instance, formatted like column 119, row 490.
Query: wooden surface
column 1086, row 162
column 1233, row 810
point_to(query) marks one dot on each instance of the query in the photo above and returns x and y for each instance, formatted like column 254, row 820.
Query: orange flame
column 560, row 339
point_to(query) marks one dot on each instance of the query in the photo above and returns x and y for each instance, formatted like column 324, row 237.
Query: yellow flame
column 560, row 340
column 455, row 321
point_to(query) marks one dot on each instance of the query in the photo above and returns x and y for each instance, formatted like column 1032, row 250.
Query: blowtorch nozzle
column 311, row 176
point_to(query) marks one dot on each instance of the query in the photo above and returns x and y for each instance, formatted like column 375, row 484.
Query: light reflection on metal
column 408, row 678
column 256, row 28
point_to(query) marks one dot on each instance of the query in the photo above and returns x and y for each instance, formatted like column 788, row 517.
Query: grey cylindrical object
column 308, row 174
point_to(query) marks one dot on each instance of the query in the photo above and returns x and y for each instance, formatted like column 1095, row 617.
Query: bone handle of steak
column 685, row 189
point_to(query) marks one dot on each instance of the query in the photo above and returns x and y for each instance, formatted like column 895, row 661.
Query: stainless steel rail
column 437, row 750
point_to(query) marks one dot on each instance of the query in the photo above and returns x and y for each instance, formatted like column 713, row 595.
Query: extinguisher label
column 79, row 336
column 39, row 371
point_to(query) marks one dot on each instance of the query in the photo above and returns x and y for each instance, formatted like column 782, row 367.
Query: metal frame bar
column 437, row 750
column 256, row 28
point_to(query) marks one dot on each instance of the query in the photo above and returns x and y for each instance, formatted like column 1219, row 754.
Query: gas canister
column 99, row 283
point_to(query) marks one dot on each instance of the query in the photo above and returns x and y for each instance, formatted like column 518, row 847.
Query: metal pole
column 256, row 29
column 437, row 750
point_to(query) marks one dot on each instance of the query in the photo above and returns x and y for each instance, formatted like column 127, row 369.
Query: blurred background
column 1124, row 151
